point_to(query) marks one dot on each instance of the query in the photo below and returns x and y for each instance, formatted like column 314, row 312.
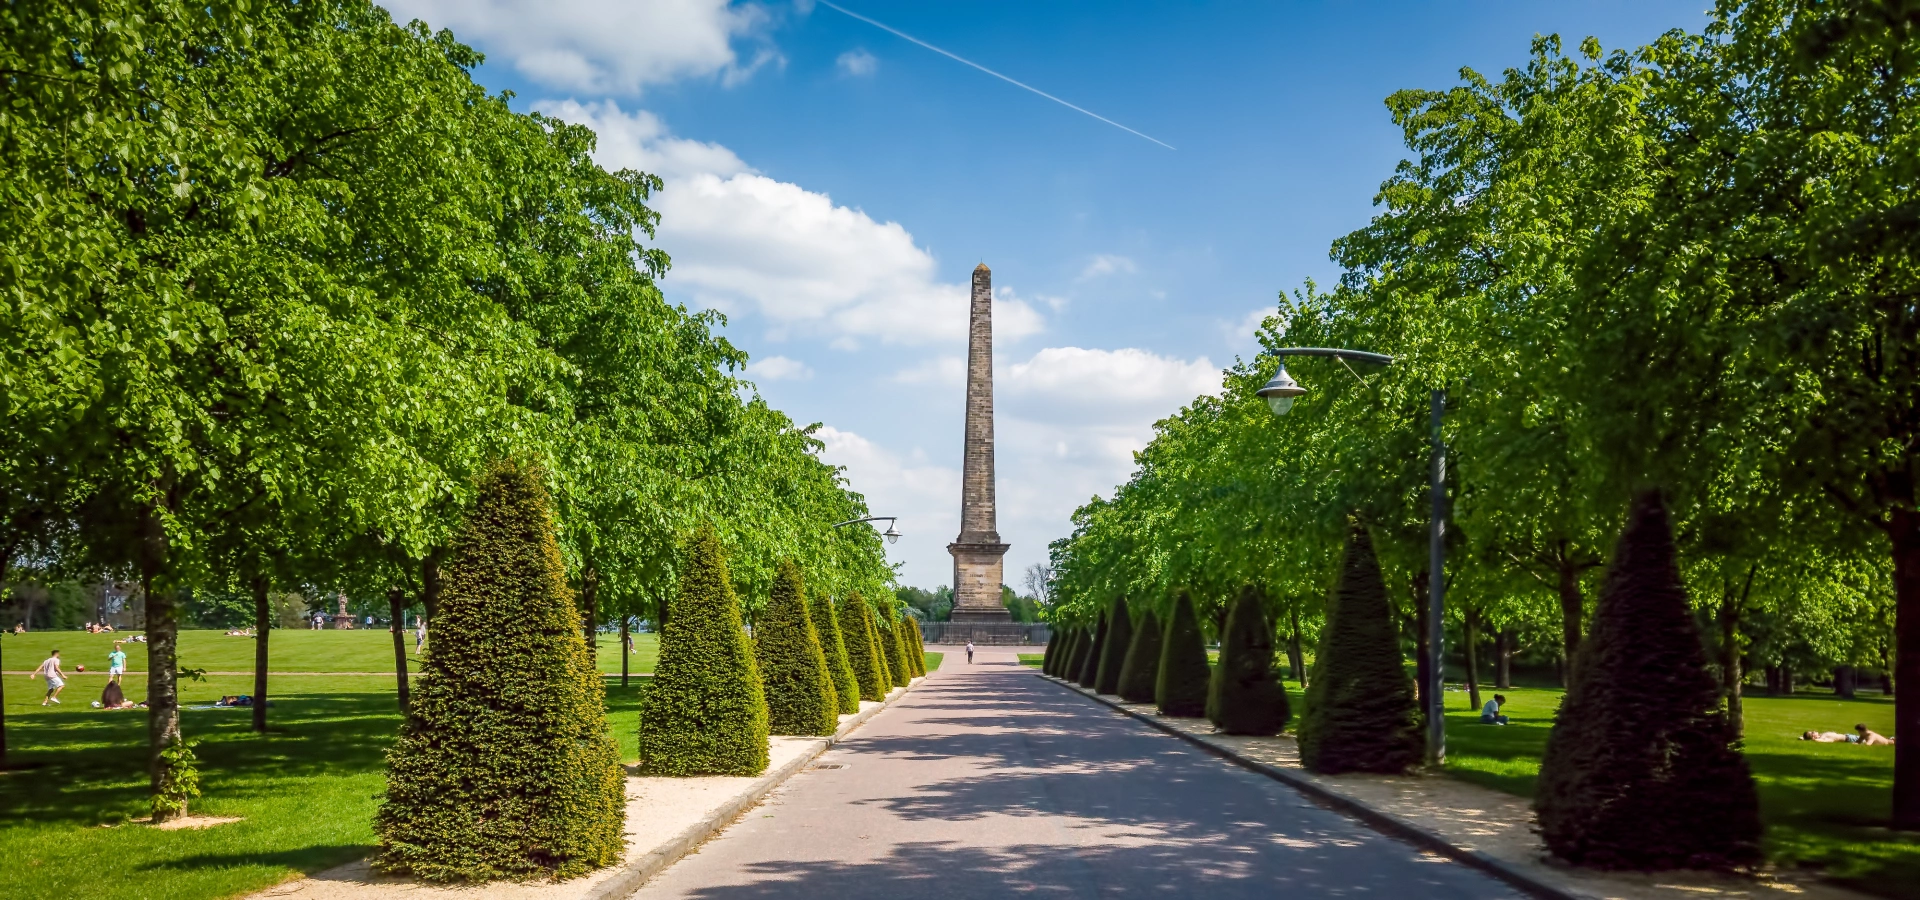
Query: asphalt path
column 987, row 781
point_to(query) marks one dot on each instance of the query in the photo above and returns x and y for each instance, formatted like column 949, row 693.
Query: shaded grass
column 1824, row 805
column 290, row 650
column 306, row 790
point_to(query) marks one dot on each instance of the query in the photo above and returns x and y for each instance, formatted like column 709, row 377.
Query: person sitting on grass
column 1490, row 714
column 1869, row 737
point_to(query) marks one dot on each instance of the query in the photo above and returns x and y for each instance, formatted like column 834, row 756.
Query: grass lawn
column 306, row 790
column 932, row 659
column 1031, row 659
column 1822, row 803
column 290, row 649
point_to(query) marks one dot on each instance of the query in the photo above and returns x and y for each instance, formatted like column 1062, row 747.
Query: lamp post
column 1280, row 393
column 892, row 536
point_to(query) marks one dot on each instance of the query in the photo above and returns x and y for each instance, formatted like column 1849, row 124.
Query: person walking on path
column 969, row 653
column 116, row 663
column 56, row 679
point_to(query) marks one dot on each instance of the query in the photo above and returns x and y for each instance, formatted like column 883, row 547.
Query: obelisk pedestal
column 977, row 566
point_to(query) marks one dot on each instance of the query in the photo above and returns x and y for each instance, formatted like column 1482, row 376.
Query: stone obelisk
column 977, row 572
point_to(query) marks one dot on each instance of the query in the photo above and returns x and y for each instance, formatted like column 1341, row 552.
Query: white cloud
column 743, row 241
column 603, row 46
column 857, row 63
column 1105, row 264
column 941, row 370
column 925, row 497
column 1073, row 384
column 1242, row 336
column 778, row 368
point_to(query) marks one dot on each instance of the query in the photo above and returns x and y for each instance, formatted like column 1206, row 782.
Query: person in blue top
column 116, row 662
column 1490, row 714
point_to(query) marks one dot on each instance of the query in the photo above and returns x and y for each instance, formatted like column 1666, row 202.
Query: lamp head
column 892, row 536
column 1281, row 391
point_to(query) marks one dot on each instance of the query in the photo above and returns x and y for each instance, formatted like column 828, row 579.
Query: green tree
column 856, row 626
column 793, row 670
column 846, row 688
column 1246, row 695
column 1180, row 684
column 505, row 768
column 1114, row 653
column 1679, row 794
column 705, row 713
column 1360, row 714
column 1141, row 667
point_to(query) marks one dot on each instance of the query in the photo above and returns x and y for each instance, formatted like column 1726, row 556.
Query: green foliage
column 1642, row 770
column 505, row 768
column 793, row 669
column 1180, row 683
column 846, row 688
column 935, row 605
column 1246, row 695
column 916, row 648
column 895, row 643
column 706, row 713
column 856, row 626
column 1140, row 670
column 1361, row 711
column 1096, row 647
column 179, row 781
column 1113, row 651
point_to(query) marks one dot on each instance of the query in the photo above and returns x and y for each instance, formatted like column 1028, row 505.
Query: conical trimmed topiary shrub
column 1180, row 684
column 793, row 669
column 1642, row 769
column 882, row 658
column 1078, row 658
column 1362, row 714
column 896, row 644
column 1141, row 667
column 1050, row 654
column 1090, row 667
column 505, row 767
column 1114, row 653
column 856, row 625
column 916, row 657
column 705, row 712
column 1246, row 695
column 846, row 689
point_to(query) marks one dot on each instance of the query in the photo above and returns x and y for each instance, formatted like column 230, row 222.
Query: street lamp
column 892, row 536
column 1280, row 392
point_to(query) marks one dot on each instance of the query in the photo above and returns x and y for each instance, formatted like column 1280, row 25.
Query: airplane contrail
column 903, row 35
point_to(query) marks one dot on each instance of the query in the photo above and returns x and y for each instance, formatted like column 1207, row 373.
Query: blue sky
column 831, row 186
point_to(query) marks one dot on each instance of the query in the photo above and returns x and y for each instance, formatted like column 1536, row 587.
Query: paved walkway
column 986, row 781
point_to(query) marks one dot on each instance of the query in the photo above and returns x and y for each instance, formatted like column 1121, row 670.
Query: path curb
column 636, row 873
column 1378, row 819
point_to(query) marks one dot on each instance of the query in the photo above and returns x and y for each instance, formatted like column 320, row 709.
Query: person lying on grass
column 1862, row 735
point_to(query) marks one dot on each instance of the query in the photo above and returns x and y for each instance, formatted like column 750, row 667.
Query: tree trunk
column 261, row 625
column 1469, row 639
column 1296, row 659
column 163, row 629
column 1846, row 682
column 590, row 600
column 1422, row 647
column 430, row 585
column 1731, row 675
column 624, row 620
column 1572, row 612
column 397, row 607
column 1904, row 528
column 1503, row 660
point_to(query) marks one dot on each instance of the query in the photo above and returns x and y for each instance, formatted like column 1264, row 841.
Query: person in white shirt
column 56, row 679
column 969, row 652
column 1490, row 714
